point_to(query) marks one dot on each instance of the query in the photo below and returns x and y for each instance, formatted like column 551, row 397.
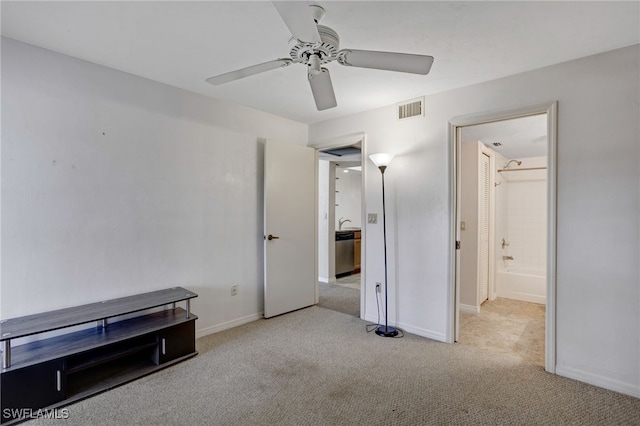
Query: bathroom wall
column 501, row 202
column 520, row 207
column 526, row 216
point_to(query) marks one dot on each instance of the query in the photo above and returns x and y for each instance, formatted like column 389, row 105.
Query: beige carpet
column 319, row 367
column 506, row 326
column 343, row 296
column 340, row 298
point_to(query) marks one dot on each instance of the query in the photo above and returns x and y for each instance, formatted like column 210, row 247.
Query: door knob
column 272, row 237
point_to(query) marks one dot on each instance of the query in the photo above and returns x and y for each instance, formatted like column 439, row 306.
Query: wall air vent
column 412, row 108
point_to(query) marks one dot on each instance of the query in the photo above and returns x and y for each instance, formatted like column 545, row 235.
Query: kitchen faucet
column 342, row 222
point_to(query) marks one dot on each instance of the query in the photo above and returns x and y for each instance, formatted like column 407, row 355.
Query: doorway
column 468, row 299
column 503, row 209
column 340, row 230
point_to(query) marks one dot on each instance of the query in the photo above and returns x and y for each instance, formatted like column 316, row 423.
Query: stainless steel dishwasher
column 344, row 252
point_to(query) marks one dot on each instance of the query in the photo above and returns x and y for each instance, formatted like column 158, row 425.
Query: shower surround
column 521, row 220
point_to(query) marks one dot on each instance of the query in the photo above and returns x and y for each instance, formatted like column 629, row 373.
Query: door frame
column 338, row 142
column 454, row 145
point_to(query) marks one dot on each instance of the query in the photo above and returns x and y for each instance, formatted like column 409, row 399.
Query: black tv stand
column 50, row 373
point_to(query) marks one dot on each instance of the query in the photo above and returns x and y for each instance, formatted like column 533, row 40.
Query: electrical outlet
column 378, row 287
column 372, row 218
column 234, row 290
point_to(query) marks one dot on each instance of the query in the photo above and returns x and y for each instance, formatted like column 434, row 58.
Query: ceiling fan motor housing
column 326, row 50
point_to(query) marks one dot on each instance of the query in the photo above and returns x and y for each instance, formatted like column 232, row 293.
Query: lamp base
column 386, row 331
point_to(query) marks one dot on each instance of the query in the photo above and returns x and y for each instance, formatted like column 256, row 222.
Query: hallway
column 343, row 296
column 507, row 326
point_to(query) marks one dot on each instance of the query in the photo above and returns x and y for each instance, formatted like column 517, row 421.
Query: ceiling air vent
column 346, row 150
column 412, row 108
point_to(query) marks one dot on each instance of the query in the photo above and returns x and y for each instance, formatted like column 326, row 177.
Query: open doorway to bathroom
column 503, row 234
column 340, row 228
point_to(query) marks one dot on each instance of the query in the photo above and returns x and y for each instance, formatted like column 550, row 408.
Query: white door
column 290, row 210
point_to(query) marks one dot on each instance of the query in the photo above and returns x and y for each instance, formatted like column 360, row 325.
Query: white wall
column 323, row 221
column 598, row 224
column 348, row 197
column 114, row 185
column 526, row 216
column 501, row 203
column 170, row 194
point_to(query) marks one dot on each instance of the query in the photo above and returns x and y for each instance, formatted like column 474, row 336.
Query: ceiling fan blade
column 322, row 89
column 297, row 17
column 248, row 71
column 390, row 61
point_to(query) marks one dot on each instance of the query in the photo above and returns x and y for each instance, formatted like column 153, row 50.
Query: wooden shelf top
column 62, row 318
column 88, row 339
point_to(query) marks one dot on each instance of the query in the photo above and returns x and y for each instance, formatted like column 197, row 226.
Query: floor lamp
column 382, row 160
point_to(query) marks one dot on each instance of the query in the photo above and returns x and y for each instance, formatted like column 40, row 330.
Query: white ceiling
column 519, row 137
column 183, row 43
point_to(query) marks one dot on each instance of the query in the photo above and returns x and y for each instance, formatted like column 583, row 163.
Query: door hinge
column 457, row 245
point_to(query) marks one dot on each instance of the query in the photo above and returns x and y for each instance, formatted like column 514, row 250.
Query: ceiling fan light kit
column 315, row 45
column 322, row 89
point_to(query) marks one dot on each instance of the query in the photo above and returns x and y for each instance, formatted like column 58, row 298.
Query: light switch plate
column 372, row 218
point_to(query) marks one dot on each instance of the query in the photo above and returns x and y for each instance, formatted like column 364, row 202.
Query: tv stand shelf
column 56, row 371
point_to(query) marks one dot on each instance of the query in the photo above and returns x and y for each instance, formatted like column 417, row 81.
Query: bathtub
column 522, row 284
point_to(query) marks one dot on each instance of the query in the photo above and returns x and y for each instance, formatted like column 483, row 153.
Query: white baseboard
column 229, row 324
column 430, row 334
column 470, row 309
column 600, row 381
column 525, row 297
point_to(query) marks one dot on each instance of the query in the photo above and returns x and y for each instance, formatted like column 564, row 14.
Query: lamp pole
column 382, row 161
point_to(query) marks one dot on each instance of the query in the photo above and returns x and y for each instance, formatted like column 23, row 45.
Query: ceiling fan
column 315, row 45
